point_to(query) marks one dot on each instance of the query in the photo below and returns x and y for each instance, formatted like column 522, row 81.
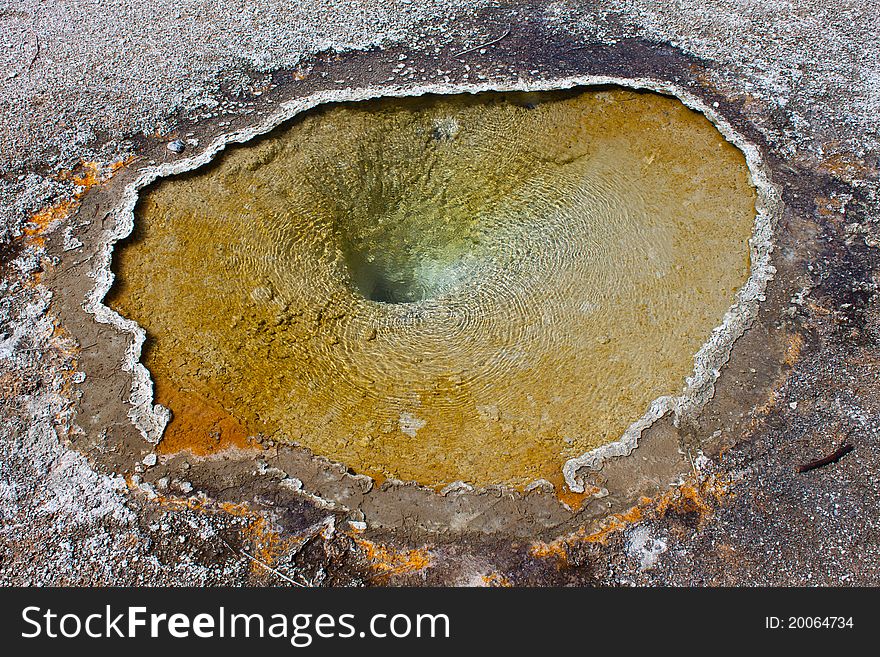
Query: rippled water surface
column 444, row 288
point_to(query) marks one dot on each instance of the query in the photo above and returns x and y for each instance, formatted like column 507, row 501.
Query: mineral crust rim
column 151, row 419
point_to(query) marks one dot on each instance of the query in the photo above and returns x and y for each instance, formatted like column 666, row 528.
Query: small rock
column 149, row 460
column 149, row 489
column 176, row 146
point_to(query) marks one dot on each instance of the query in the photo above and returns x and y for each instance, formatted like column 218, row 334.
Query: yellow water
column 452, row 288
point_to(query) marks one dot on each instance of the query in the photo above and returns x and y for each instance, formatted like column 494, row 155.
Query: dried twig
column 693, row 465
column 262, row 564
column 834, row 457
column 484, row 45
column 30, row 65
column 36, row 53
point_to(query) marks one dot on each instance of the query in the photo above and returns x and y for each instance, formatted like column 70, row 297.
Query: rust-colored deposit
column 201, row 426
column 699, row 498
column 388, row 562
column 85, row 176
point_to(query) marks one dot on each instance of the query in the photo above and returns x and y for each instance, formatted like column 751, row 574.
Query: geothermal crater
column 470, row 287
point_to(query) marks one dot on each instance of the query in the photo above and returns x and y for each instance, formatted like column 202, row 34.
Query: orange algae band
column 472, row 287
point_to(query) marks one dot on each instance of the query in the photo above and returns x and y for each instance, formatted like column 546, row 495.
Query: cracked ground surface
column 113, row 82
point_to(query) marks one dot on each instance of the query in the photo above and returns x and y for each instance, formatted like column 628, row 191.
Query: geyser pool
column 469, row 287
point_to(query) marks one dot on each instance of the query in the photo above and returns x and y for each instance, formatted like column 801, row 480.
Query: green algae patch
column 473, row 287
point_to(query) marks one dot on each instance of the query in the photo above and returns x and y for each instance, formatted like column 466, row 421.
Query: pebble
column 176, row 146
column 149, row 460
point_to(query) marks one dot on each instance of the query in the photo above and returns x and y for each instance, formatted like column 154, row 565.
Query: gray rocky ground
column 108, row 81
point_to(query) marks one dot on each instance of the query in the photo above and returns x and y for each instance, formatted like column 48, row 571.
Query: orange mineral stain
column 694, row 496
column 201, row 427
column 387, row 561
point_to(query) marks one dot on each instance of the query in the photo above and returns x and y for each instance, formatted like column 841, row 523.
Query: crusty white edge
column 151, row 419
